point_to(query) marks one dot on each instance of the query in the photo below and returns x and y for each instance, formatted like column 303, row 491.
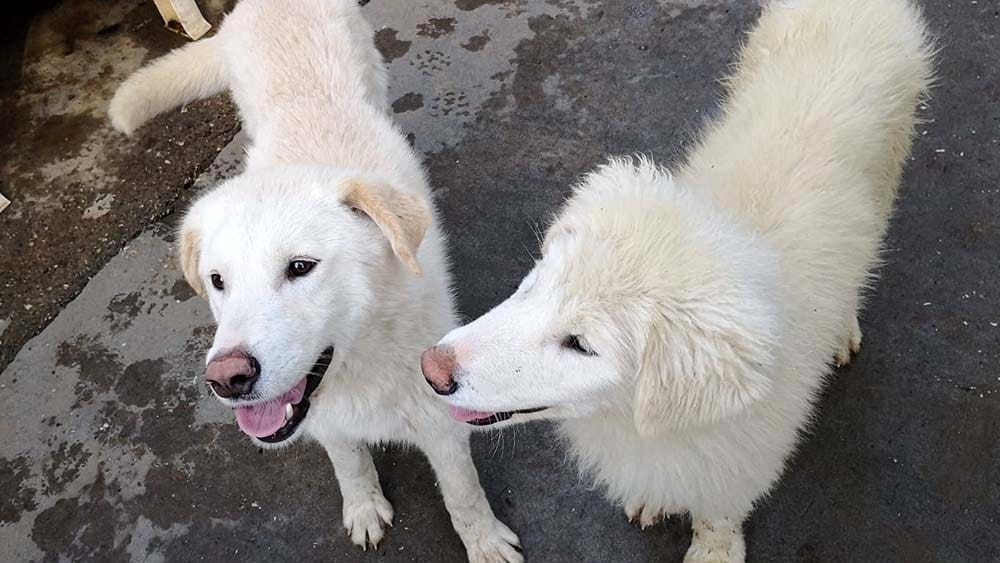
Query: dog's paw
column 849, row 343
column 643, row 514
column 365, row 518
column 718, row 541
column 490, row 541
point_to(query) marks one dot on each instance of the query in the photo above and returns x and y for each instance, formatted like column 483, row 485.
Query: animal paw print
column 450, row 103
column 430, row 62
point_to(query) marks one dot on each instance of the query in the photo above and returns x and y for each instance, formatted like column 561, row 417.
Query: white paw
column 490, row 541
column 365, row 517
column 643, row 514
column 717, row 541
column 850, row 343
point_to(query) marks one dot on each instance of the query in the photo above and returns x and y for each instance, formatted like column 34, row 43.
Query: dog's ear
column 691, row 375
column 403, row 218
column 189, row 252
column 189, row 248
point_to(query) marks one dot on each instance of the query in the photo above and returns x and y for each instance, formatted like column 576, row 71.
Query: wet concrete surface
column 109, row 450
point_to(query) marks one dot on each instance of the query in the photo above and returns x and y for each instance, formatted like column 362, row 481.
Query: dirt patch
column 80, row 191
column 42, row 263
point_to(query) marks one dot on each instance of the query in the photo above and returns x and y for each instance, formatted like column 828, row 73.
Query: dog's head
column 292, row 261
column 646, row 302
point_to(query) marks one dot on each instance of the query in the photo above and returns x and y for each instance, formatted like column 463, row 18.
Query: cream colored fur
column 714, row 300
column 329, row 178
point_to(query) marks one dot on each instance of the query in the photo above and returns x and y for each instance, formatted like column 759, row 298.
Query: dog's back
column 816, row 126
column 293, row 53
column 820, row 82
column 272, row 55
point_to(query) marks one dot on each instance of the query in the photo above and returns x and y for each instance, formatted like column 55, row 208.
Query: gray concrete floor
column 109, row 450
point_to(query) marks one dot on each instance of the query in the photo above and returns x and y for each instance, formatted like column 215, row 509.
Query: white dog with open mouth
column 323, row 258
column 681, row 327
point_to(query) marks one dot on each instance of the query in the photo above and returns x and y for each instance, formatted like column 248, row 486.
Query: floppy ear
column 403, row 218
column 694, row 375
column 188, row 254
column 189, row 248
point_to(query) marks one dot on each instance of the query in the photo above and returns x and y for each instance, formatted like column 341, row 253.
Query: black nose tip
column 448, row 390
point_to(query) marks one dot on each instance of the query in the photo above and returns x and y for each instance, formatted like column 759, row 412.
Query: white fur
column 716, row 298
column 311, row 90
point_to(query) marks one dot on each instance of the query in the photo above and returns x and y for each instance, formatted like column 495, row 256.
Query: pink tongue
column 465, row 415
column 266, row 418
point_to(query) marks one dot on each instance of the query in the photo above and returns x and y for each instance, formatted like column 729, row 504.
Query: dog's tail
column 852, row 70
column 192, row 72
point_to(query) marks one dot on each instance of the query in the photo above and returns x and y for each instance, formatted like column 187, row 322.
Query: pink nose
column 232, row 374
column 438, row 365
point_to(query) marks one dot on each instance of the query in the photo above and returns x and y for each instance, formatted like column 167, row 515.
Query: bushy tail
column 880, row 46
column 190, row 73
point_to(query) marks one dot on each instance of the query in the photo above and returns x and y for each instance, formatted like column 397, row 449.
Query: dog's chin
column 277, row 422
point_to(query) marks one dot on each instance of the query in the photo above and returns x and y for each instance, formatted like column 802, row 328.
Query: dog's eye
column 217, row 282
column 579, row 345
column 299, row 268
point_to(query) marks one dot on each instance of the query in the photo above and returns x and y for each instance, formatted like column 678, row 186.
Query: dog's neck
column 347, row 134
column 411, row 312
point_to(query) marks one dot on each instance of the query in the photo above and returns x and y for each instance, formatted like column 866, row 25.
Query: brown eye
column 217, row 282
column 299, row 268
column 579, row 345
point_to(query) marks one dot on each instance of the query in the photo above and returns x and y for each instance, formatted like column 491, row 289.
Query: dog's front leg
column 718, row 540
column 486, row 539
column 366, row 511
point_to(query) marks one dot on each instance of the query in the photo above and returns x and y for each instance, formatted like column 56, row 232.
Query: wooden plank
column 184, row 17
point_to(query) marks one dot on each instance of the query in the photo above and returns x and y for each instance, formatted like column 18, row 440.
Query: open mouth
column 276, row 420
column 478, row 418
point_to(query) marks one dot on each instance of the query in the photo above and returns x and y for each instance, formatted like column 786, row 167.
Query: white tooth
column 289, row 411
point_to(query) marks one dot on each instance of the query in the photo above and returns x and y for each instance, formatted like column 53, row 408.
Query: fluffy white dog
column 323, row 258
column 681, row 326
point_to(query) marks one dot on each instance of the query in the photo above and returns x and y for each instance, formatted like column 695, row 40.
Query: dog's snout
column 438, row 365
column 233, row 375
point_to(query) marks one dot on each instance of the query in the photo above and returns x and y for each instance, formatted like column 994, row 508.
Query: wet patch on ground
column 408, row 102
column 390, row 47
column 469, row 5
column 15, row 496
column 477, row 42
column 436, row 27
column 83, row 527
column 63, row 467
